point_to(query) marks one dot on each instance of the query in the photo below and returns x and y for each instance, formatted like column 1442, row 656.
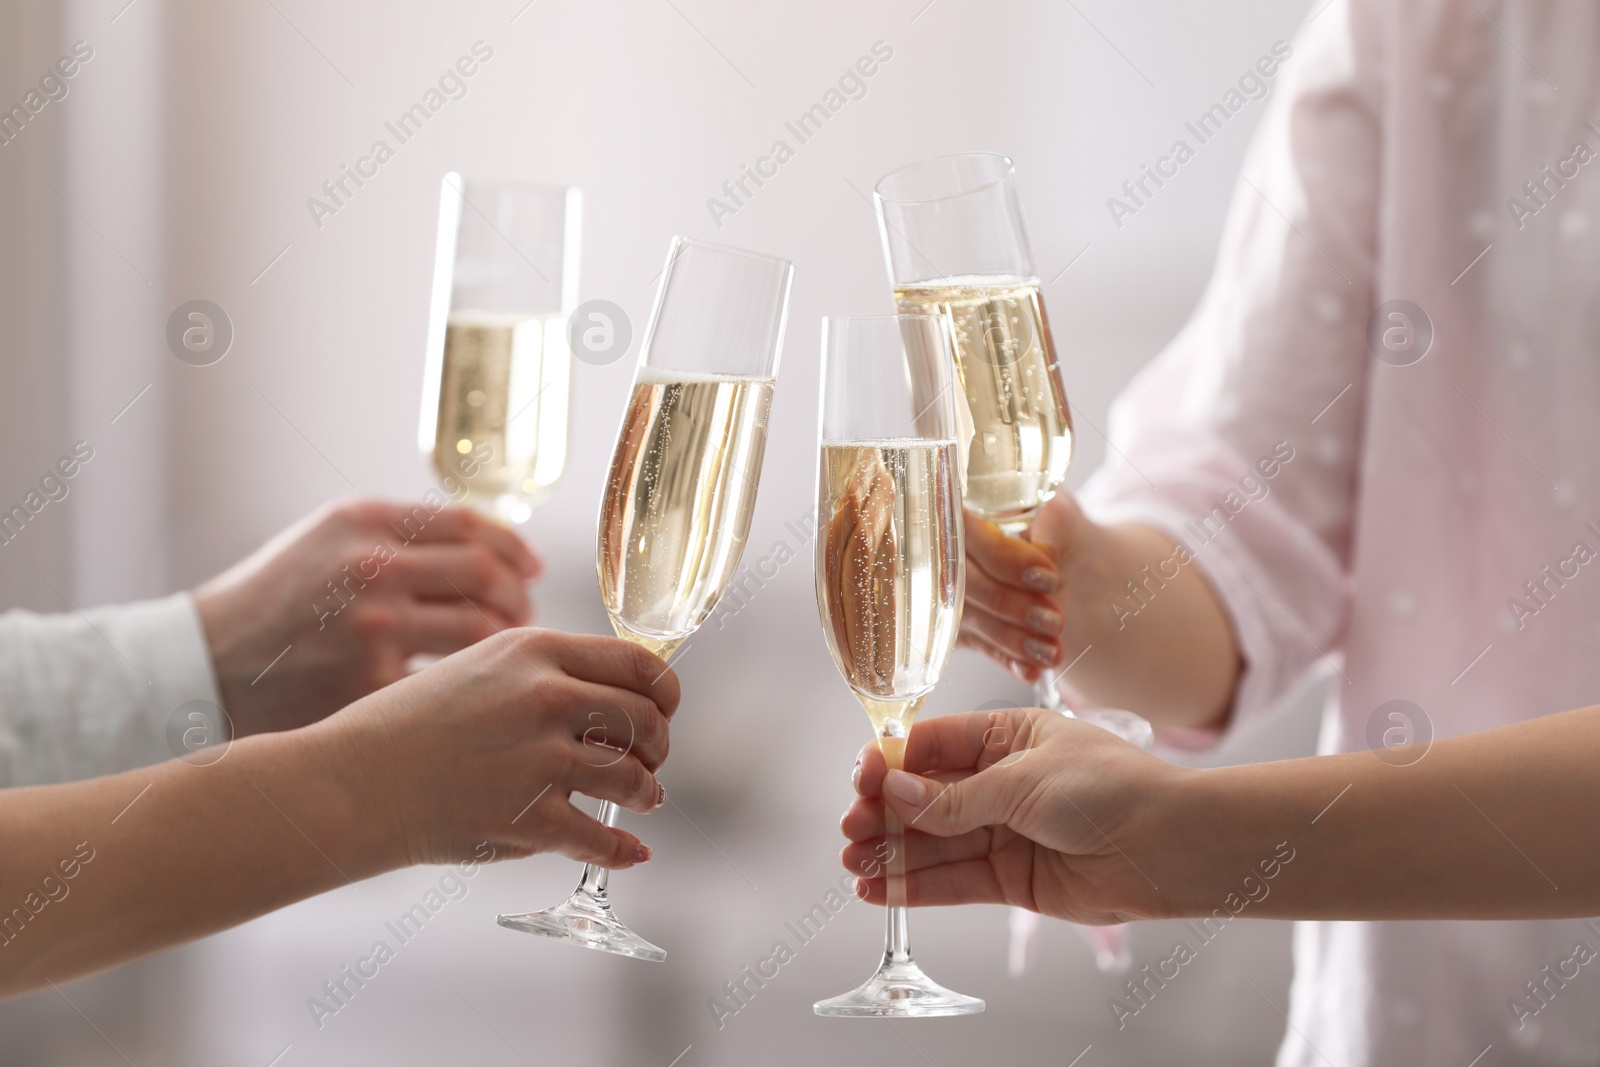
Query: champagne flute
column 890, row 574
column 494, row 397
column 676, row 509
column 955, row 246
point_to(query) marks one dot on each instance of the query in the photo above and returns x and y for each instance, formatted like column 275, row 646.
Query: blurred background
column 179, row 166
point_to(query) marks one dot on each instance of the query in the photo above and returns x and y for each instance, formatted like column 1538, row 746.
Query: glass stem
column 593, row 882
column 1046, row 693
column 897, row 939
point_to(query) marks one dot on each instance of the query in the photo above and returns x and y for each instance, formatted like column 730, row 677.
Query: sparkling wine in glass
column 494, row 400
column 675, row 513
column 890, row 575
column 956, row 247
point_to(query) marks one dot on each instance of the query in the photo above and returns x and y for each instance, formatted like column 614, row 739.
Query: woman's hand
column 332, row 608
column 1127, row 600
column 1031, row 808
column 1021, row 807
column 488, row 745
column 484, row 747
column 1019, row 589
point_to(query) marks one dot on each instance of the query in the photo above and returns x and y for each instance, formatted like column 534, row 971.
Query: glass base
column 898, row 991
column 583, row 920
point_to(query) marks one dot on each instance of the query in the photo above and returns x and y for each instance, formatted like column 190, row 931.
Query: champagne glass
column 955, row 245
column 890, row 575
column 494, row 398
column 676, row 509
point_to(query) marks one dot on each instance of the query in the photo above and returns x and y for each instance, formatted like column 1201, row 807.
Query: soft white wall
column 83, row 308
column 318, row 398
column 33, row 402
column 115, row 310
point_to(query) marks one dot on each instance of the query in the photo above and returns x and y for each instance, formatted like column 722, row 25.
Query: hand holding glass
column 890, row 574
column 676, row 509
column 956, row 246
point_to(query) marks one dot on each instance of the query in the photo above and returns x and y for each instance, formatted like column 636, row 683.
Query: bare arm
column 1501, row 824
column 1166, row 652
column 192, row 850
column 472, row 759
column 1033, row 809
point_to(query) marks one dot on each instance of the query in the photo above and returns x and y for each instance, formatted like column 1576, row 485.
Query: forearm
column 176, row 852
column 1502, row 824
column 1165, row 649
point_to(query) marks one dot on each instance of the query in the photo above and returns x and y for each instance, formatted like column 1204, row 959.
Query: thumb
column 987, row 798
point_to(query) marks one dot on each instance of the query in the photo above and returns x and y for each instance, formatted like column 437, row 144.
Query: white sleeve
column 91, row 693
column 1273, row 363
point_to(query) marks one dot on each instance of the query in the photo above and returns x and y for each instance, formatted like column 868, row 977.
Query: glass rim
column 675, row 248
column 680, row 241
column 465, row 180
column 1009, row 172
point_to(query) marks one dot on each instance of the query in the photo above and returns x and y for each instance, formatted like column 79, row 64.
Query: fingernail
column 661, row 794
column 855, row 774
column 641, row 853
column 861, row 889
column 1041, row 578
column 906, row 787
column 1045, row 620
column 1039, row 651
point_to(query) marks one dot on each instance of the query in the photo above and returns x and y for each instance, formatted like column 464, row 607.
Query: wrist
column 224, row 642
column 348, row 787
column 1167, row 872
column 1230, row 844
column 1088, row 583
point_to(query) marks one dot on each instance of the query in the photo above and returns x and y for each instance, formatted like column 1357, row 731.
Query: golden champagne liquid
column 1021, row 429
column 503, row 395
column 678, row 501
column 890, row 570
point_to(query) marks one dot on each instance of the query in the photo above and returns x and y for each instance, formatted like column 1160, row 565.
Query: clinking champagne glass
column 494, row 399
column 676, row 509
column 955, row 246
column 890, row 575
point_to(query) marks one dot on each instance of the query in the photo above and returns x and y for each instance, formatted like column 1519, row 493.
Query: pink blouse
column 1378, row 435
